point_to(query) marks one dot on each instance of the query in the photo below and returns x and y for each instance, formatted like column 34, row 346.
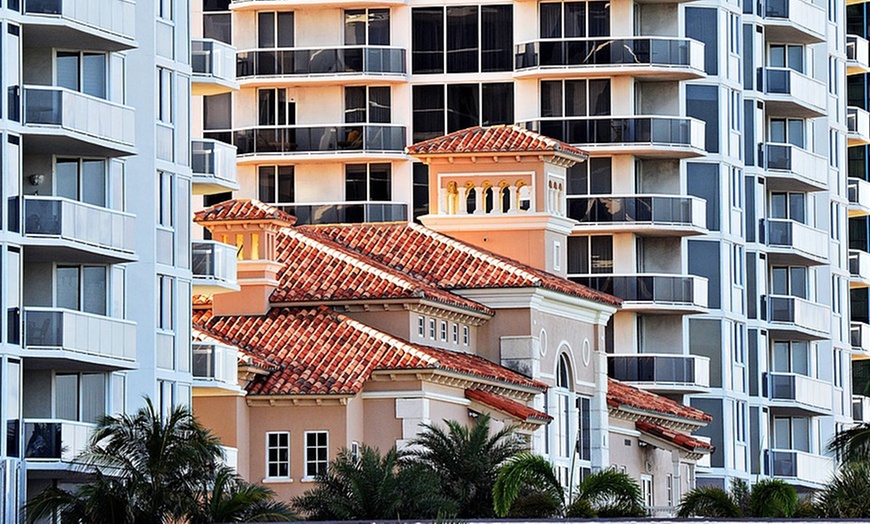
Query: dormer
column 252, row 227
column 502, row 188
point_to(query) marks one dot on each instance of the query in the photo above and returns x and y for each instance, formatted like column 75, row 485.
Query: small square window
column 455, row 333
column 464, row 335
column 421, row 327
column 443, row 331
column 432, row 328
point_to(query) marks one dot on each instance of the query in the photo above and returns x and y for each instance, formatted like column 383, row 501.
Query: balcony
column 231, row 457
column 796, row 318
column 858, row 122
column 341, row 141
column 859, row 268
column 652, row 293
column 791, row 168
column 64, row 122
column 347, row 212
column 860, row 409
column 650, row 215
column 215, row 365
column 799, row 467
column 798, row 395
column 859, row 197
column 104, row 26
column 213, row 164
column 260, row 5
column 55, row 440
column 653, row 58
column 214, row 67
column 643, row 136
column 790, row 93
column 793, row 243
column 677, row 374
column 65, row 335
column 214, row 267
column 319, row 65
column 857, row 55
column 797, row 21
column 59, row 229
column 860, row 337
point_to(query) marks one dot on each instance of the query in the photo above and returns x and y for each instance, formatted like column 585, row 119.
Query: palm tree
column 847, row 495
column 374, row 487
column 607, row 493
column 145, row 468
column 466, row 460
column 228, row 498
column 768, row 498
column 852, row 445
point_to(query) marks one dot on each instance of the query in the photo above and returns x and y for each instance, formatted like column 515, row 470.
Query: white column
column 478, row 201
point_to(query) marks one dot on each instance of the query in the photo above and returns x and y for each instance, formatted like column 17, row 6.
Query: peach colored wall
column 227, row 417
column 396, row 323
column 506, row 322
column 526, row 246
column 381, row 427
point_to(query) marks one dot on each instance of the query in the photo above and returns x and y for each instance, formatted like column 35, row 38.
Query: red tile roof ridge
column 503, row 138
column 620, row 394
column 507, row 405
column 682, row 440
column 242, row 209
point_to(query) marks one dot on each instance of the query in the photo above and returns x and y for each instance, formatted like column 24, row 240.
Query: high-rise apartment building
column 94, row 227
column 714, row 202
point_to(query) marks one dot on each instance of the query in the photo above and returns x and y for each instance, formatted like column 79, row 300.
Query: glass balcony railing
column 215, row 362
column 797, row 313
column 858, row 123
column 114, row 17
column 795, row 88
column 214, row 262
column 799, row 20
column 678, row 370
column 79, row 223
column 54, row 439
column 859, row 267
column 347, row 212
column 793, row 236
column 623, row 131
column 61, row 329
column 336, row 139
column 632, row 210
column 860, row 336
column 799, row 389
column 213, row 162
column 79, row 113
column 799, row 465
column 857, row 54
column 633, row 53
column 793, row 162
column 666, row 290
column 348, row 60
column 860, row 409
column 859, row 197
column 210, row 59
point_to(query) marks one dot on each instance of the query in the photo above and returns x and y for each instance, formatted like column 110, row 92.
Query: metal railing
column 342, row 60
column 858, row 122
column 214, row 261
column 859, row 335
column 664, row 289
column 799, row 465
column 786, row 233
column 213, row 159
column 80, row 332
column 346, row 212
column 859, row 192
column 858, row 51
column 611, row 52
column 859, row 264
column 798, row 86
column 338, row 138
column 799, row 389
column 638, row 209
column 794, row 161
column 117, row 17
column 860, row 408
column 57, row 217
column 798, row 312
column 54, row 439
column 614, row 130
column 80, row 113
column 800, row 14
column 215, row 362
column 211, row 58
column 683, row 370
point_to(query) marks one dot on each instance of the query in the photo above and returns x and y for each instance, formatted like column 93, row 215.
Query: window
column 316, row 453
column 574, row 19
column 702, row 24
column 461, row 39
column 734, row 33
column 737, row 260
column 165, row 302
column 274, row 108
column 590, row 254
column 791, row 206
column 275, row 29
column 740, row 421
column 455, row 333
column 787, row 131
column 584, row 431
column 432, row 328
column 354, row 452
column 791, row 357
column 82, row 288
column 790, row 280
column 791, row 433
column 592, row 177
column 443, row 331
column 82, row 180
column 421, row 189
column 441, row 109
column 165, row 397
column 367, row 104
column 575, row 98
column 703, row 182
column 119, row 393
column 465, row 335
column 164, row 203
column 669, row 489
column 79, row 397
column 702, row 102
column 421, row 327
column 165, row 100
column 83, row 72
column 217, row 111
column 838, row 368
column 278, row 454
column 276, row 184
column 563, row 412
column 218, row 26
column 164, row 9
column 367, row 182
column 367, row 27
column 646, row 488
column 790, row 56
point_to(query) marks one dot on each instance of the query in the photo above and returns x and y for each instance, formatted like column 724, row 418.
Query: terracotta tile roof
column 680, row 439
column 242, row 209
column 506, row 405
column 444, row 262
column 495, row 139
column 319, row 269
column 201, row 300
column 619, row 394
column 321, row 352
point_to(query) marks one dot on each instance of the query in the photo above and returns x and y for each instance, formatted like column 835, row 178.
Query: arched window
column 470, row 200
column 563, row 375
column 564, row 395
column 488, row 200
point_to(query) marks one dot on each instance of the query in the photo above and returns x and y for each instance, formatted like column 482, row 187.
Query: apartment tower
column 714, row 201
column 95, row 226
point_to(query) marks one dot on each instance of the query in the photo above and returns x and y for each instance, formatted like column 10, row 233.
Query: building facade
column 95, row 234
column 714, row 203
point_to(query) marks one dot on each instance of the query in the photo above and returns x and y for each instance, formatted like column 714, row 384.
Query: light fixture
column 37, row 179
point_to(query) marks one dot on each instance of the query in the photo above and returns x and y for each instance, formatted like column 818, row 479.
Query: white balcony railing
column 68, row 330
column 782, row 84
column 859, row 197
column 214, row 262
column 857, row 54
column 78, row 222
column 859, row 267
column 795, row 236
column 797, row 15
column 52, row 440
column 79, row 113
column 660, row 369
column 638, row 210
column 211, row 59
column 213, row 162
column 793, row 312
column 787, row 160
column 799, row 465
column 601, row 132
column 215, row 362
column 860, row 409
column 860, row 337
column 116, row 17
column 800, row 389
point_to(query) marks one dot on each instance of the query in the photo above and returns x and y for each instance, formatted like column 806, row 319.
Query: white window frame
column 465, row 336
column 279, row 462
column 432, row 329
column 443, row 331
column 308, row 462
column 421, row 327
column 455, row 333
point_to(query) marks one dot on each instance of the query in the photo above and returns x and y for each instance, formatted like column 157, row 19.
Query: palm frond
column 709, row 502
column 525, row 470
column 772, row 498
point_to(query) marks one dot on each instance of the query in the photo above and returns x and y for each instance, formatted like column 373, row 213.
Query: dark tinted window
column 427, row 40
column 703, row 182
column 421, row 189
column 704, row 262
column 496, row 38
column 702, row 25
column 498, row 104
column 462, row 39
column 702, row 102
column 218, row 26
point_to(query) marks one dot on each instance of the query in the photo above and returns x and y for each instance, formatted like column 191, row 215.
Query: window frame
column 309, row 463
column 278, row 462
